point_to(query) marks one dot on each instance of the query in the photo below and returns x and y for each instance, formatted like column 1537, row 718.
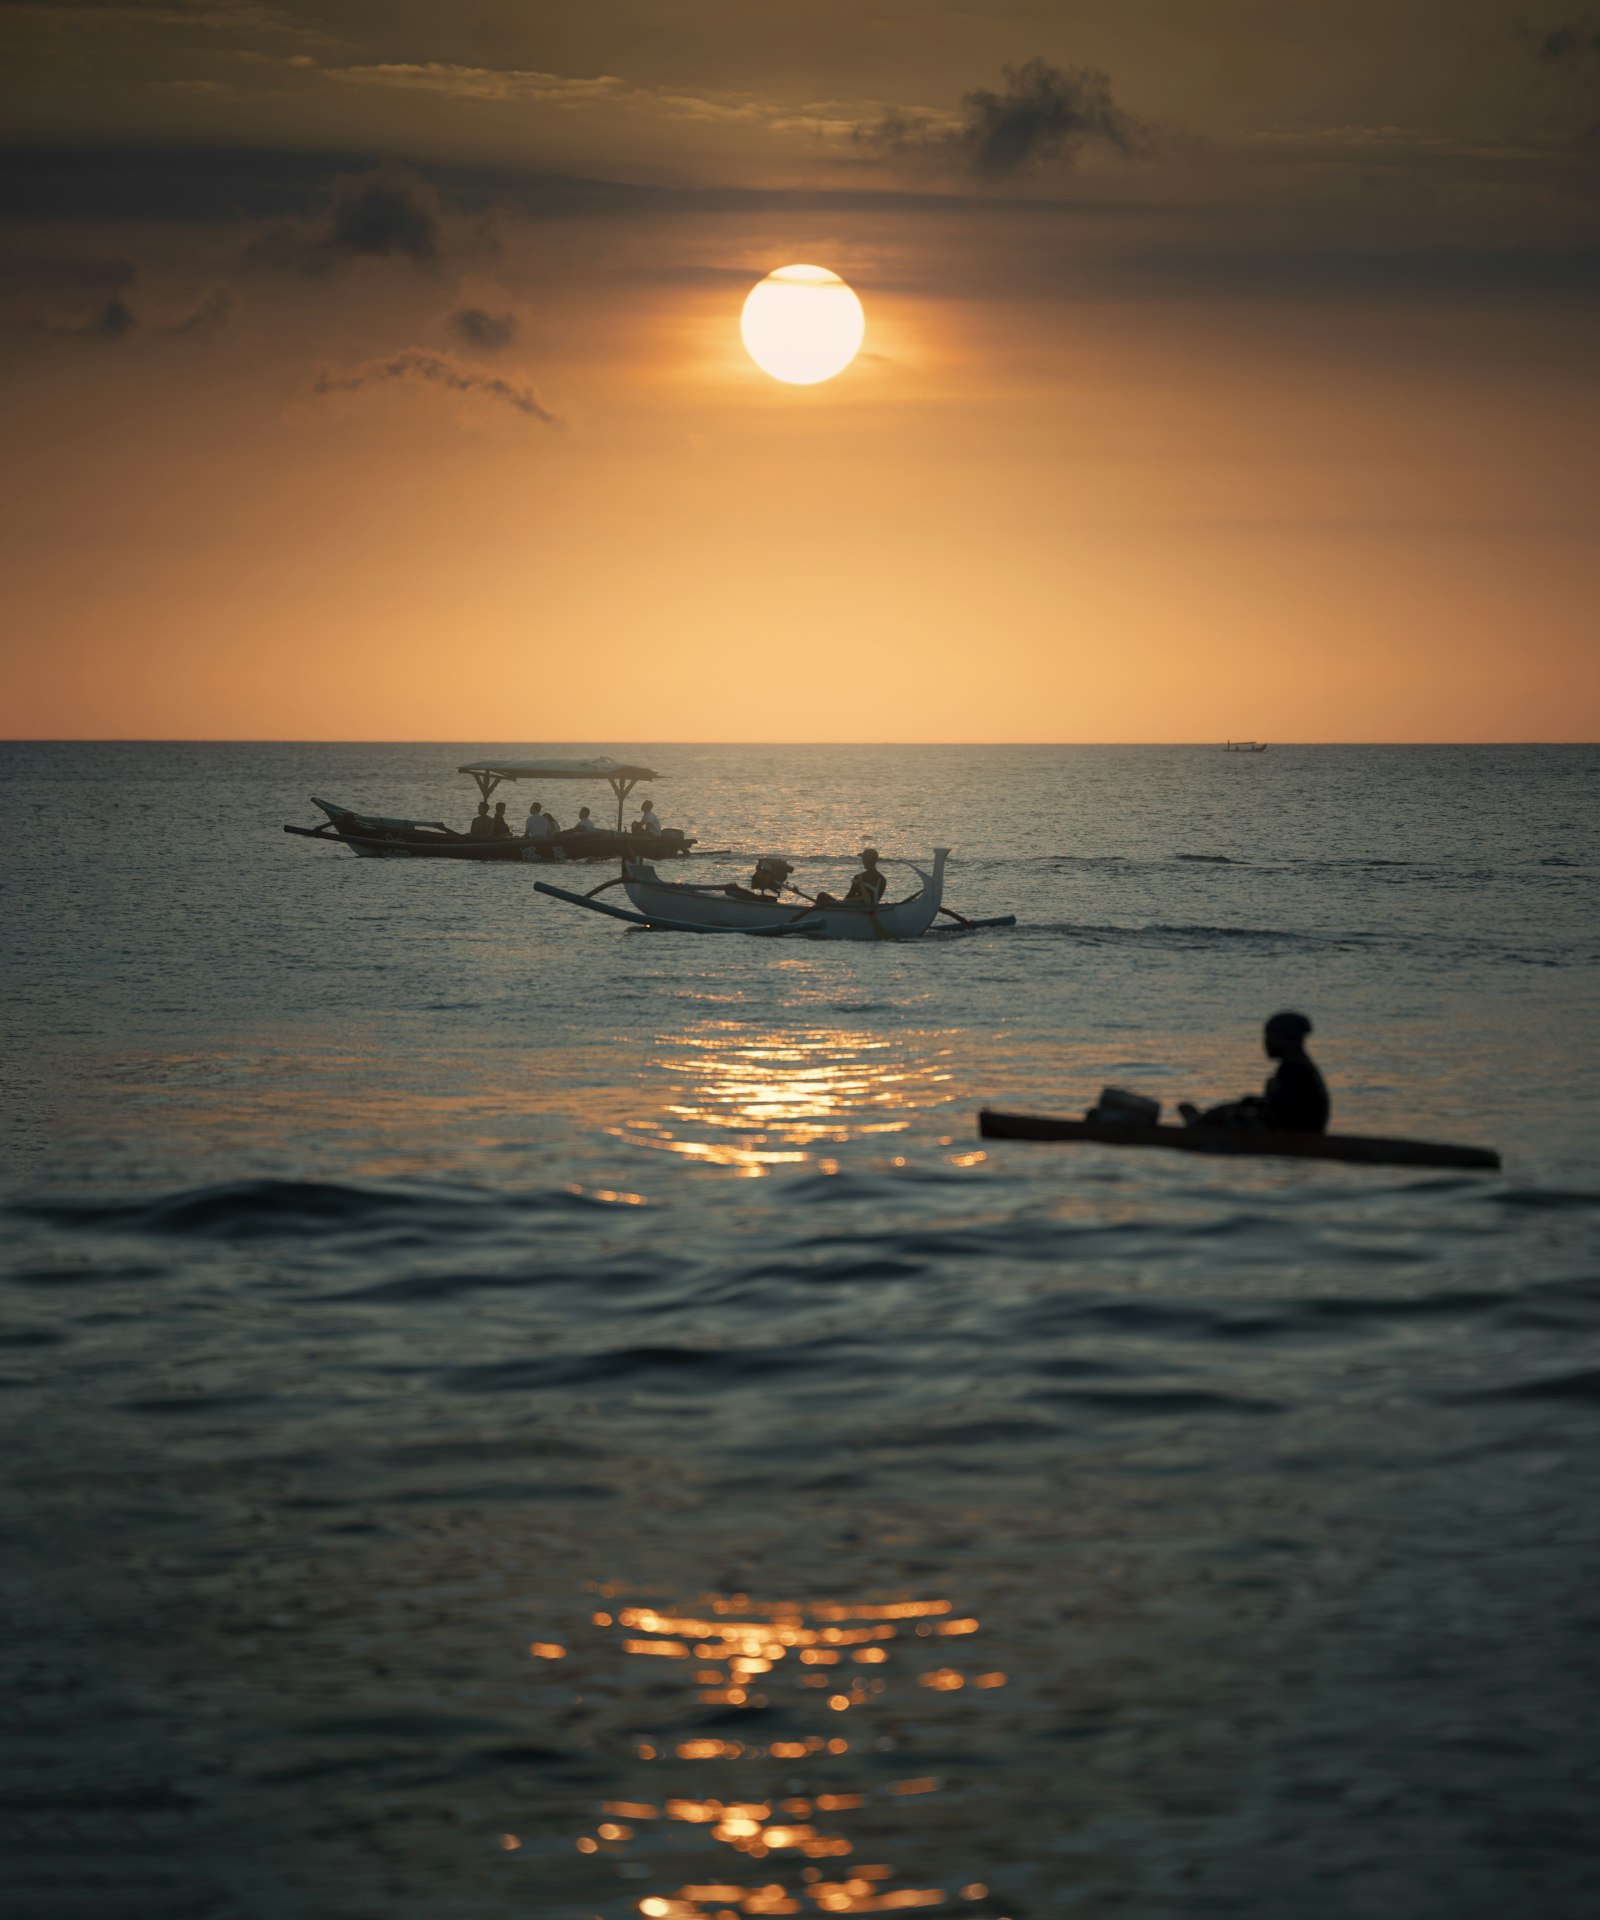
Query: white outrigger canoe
column 683, row 908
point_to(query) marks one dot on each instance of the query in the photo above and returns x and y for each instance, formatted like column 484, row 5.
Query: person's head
column 534, row 807
column 483, row 808
column 583, row 813
column 649, row 806
column 499, row 806
column 869, row 856
column 1284, row 1034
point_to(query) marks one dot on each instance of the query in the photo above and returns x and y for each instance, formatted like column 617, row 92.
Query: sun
column 802, row 325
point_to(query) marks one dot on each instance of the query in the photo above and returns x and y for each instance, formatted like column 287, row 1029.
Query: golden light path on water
column 718, row 1093
column 800, row 1837
column 754, row 1103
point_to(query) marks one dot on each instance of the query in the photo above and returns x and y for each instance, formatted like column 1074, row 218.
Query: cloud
column 384, row 214
column 114, row 320
column 481, row 330
column 1043, row 113
column 1569, row 42
column 418, row 363
column 563, row 92
column 117, row 319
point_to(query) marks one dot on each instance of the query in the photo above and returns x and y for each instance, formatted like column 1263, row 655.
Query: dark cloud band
column 1042, row 114
column 438, row 369
column 387, row 213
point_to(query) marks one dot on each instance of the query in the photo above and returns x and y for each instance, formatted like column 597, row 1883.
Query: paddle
column 976, row 926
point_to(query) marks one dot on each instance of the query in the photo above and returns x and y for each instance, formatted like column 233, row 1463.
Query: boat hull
column 1372, row 1150
column 371, row 837
column 714, row 909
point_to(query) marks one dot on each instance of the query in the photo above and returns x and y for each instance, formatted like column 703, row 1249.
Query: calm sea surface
column 508, row 1415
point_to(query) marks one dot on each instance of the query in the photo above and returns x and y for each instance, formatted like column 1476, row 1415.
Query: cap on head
column 1288, row 1026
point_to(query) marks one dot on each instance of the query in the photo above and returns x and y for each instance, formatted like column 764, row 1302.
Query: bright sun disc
column 802, row 325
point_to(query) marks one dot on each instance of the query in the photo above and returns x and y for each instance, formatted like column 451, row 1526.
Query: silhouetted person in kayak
column 1294, row 1100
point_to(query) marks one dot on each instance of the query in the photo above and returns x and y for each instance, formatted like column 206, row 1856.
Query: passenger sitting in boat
column 865, row 890
column 583, row 824
column 536, row 826
column 482, row 827
column 1295, row 1099
column 499, row 826
column 649, row 821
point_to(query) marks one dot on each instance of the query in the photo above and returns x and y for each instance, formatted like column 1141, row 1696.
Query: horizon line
column 376, row 740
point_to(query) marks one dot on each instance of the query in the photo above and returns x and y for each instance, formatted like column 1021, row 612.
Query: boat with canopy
column 377, row 836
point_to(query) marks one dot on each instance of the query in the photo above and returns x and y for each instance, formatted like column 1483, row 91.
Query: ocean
column 506, row 1414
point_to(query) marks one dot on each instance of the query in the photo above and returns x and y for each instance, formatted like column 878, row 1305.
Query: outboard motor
column 771, row 874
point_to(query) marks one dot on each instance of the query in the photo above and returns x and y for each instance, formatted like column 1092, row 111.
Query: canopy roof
column 601, row 769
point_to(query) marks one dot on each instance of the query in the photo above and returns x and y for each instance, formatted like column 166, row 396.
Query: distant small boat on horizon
column 1244, row 746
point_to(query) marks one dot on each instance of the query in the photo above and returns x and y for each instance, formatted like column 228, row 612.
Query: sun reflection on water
column 821, row 1691
column 751, row 1103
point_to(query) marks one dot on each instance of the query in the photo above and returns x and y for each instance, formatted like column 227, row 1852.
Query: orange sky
column 1168, row 430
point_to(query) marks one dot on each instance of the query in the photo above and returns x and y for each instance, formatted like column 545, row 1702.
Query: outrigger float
column 377, row 837
column 673, row 907
column 1372, row 1150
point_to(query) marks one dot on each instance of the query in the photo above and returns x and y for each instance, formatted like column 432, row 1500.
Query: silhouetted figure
column 866, row 889
column 536, row 826
column 1294, row 1100
column 583, row 823
column 499, row 826
column 649, row 821
column 482, row 827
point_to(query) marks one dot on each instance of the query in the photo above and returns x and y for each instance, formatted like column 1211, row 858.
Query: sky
column 373, row 370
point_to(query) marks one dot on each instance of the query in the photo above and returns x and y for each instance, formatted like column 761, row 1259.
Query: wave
column 1582, row 1385
column 662, row 1366
column 287, row 1209
column 1202, row 935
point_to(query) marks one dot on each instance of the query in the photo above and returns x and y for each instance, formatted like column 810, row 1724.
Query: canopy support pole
column 621, row 788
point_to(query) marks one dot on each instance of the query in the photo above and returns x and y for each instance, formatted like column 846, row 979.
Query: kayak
column 1365, row 1149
